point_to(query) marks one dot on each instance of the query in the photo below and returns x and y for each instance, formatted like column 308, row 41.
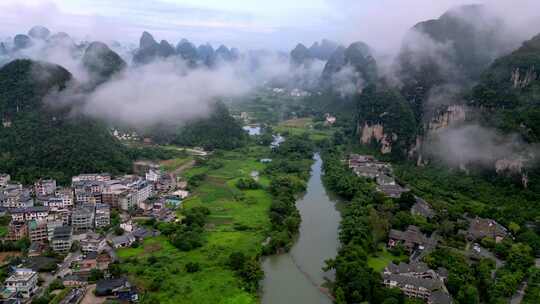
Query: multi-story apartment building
column 44, row 187
column 82, row 218
column 102, row 215
column 62, row 239
column 99, row 177
column 15, row 196
column 30, row 213
column 16, row 231
column 93, row 243
column 23, row 281
column 38, row 231
column 57, row 202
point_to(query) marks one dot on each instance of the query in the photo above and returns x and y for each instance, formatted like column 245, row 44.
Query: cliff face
column 523, row 78
column 453, row 114
column 375, row 132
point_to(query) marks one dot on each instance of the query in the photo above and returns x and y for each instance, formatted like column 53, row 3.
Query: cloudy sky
column 276, row 24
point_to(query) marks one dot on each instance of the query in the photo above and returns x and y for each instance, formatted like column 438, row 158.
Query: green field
column 165, row 279
column 302, row 126
column 382, row 259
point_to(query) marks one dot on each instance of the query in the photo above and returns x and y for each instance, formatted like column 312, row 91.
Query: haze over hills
column 440, row 61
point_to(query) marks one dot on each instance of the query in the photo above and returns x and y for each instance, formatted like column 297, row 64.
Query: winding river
column 297, row 277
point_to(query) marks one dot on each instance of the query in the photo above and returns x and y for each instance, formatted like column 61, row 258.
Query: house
column 44, row 187
column 102, row 216
column 37, row 231
column 57, row 201
column 16, row 231
column 111, row 287
column 88, row 263
column 29, row 213
column 422, row 208
column 51, row 225
column 182, row 194
column 62, row 239
column 15, row 196
column 23, row 281
column 153, row 175
column 122, row 241
column 142, row 233
column 410, row 239
column 74, row 281
column 82, row 218
column 416, row 280
column 480, row 228
column 329, row 119
column 93, row 242
column 99, row 177
column 393, row 191
column 385, row 180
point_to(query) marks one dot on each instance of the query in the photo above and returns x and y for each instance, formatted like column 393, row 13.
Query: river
column 297, row 276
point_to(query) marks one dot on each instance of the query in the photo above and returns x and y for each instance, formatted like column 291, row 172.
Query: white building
column 23, row 281
column 153, row 176
column 58, row 202
column 103, row 215
column 27, row 214
column 98, row 177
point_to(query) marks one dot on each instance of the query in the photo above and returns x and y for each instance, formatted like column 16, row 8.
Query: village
column 414, row 278
column 70, row 235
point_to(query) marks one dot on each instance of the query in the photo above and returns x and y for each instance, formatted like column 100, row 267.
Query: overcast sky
column 276, row 24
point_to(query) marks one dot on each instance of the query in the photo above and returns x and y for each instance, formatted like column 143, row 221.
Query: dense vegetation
column 383, row 105
column 289, row 173
column 369, row 216
column 44, row 141
column 218, row 131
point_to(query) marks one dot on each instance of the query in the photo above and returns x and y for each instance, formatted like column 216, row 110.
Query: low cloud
column 476, row 145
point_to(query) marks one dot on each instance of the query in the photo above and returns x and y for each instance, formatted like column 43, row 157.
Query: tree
column 193, row 267
column 237, row 260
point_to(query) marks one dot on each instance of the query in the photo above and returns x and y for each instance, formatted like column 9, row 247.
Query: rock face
column 522, row 79
column 22, row 42
column 376, row 133
column 223, row 53
column 166, row 49
column 324, row 50
column 102, row 62
column 148, row 49
column 187, row 51
column 300, row 56
column 355, row 63
column 452, row 115
column 39, row 32
column 207, row 54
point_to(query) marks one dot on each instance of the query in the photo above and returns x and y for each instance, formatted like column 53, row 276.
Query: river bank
column 297, row 276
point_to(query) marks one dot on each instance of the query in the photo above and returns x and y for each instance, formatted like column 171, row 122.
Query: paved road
column 518, row 296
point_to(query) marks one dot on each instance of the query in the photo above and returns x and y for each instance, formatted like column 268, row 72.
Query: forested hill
column 39, row 141
column 510, row 91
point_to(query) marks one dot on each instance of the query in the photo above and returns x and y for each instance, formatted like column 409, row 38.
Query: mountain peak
column 39, row 32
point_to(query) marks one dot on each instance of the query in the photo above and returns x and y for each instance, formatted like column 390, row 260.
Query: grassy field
column 382, row 259
column 166, row 278
column 301, row 126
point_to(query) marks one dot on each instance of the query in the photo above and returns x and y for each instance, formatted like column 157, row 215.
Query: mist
column 476, row 145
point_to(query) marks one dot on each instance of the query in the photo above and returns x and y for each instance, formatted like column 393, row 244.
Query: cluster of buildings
column 415, row 279
column 53, row 218
column 368, row 167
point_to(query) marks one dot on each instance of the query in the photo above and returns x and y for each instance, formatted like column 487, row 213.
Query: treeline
column 369, row 216
column 359, row 234
column 218, row 131
column 289, row 171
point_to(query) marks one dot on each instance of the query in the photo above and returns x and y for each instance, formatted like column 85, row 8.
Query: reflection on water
column 296, row 277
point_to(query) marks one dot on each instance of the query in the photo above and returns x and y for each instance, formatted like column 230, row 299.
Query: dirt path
column 184, row 167
column 90, row 298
